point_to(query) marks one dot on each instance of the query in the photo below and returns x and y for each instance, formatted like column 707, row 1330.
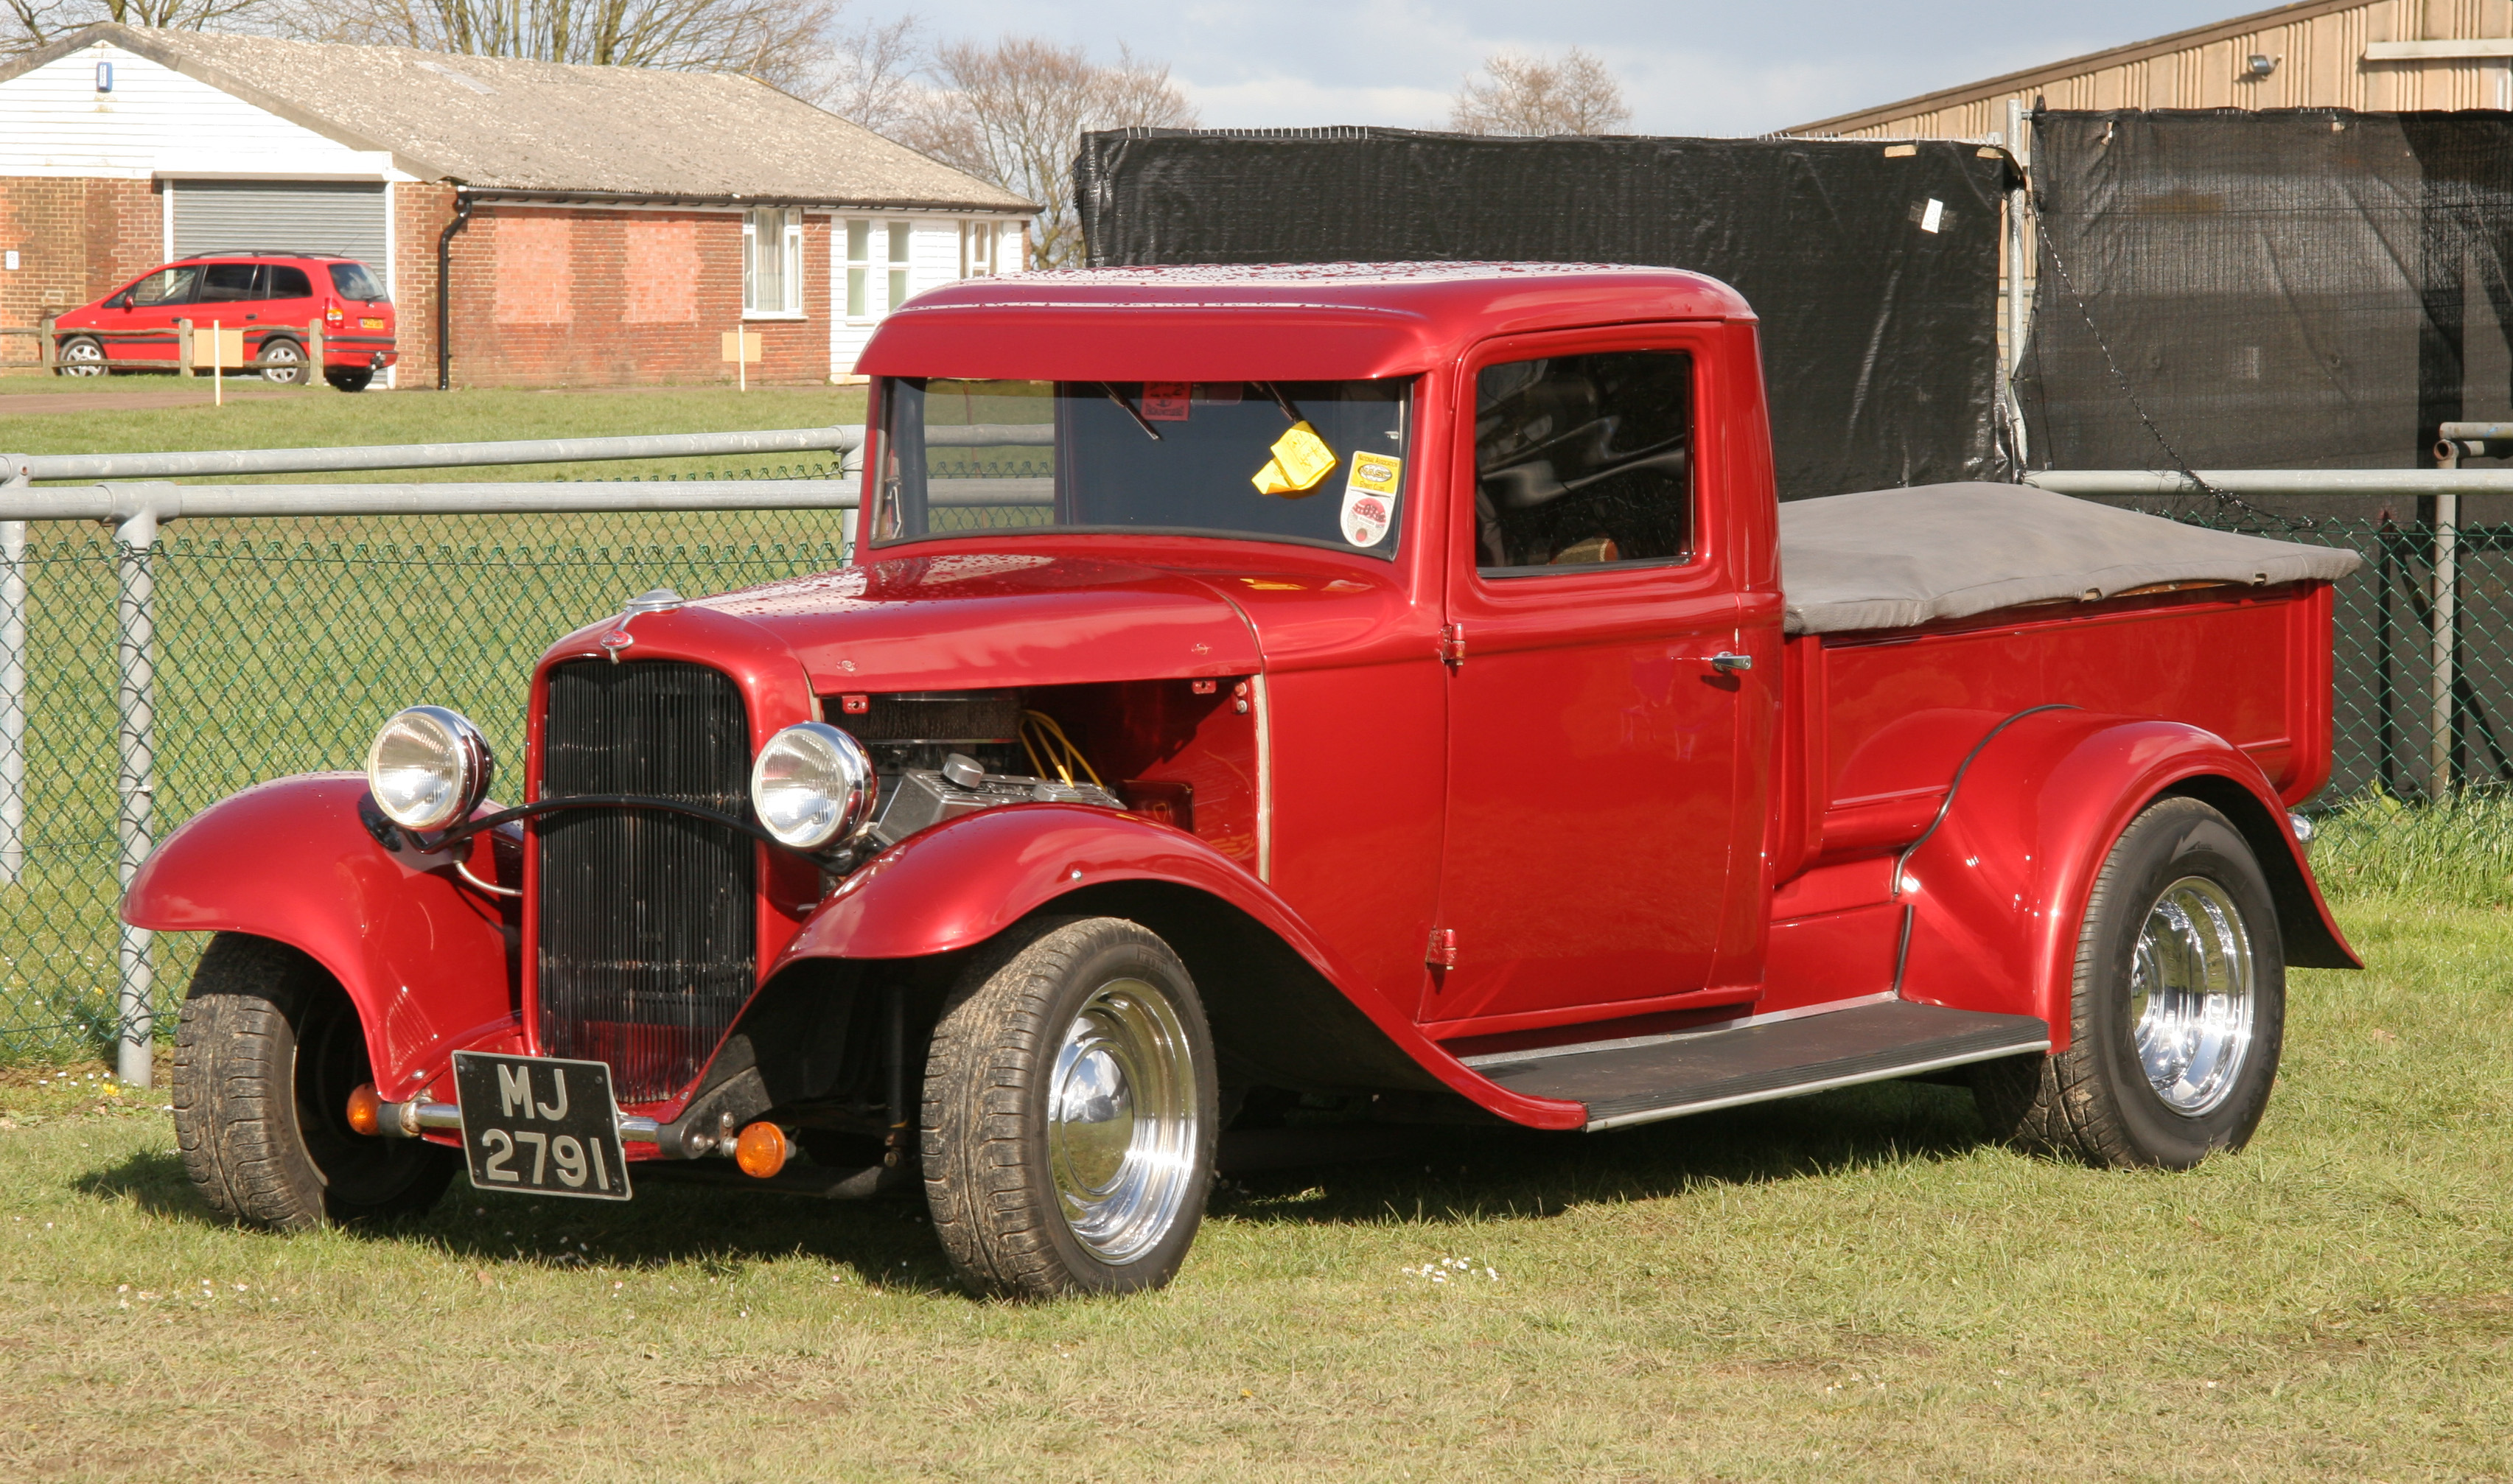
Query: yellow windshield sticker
column 1377, row 473
column 1301, row 461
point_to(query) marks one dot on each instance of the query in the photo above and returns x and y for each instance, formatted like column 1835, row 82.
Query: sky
column 1687, row 66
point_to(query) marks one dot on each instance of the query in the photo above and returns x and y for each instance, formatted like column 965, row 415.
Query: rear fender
column 959, row 884
column 1999, row 893
column 430, row 963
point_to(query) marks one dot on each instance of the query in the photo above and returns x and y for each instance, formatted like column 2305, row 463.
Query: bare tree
column 25, row 24
column 1527, row 94
column 780, row 41
column 870, row 77
column 1013, row 112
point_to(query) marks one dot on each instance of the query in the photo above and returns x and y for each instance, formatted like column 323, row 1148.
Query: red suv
column 275, row 297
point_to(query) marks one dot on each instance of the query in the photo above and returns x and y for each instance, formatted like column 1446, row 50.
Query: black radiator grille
column 648, row 931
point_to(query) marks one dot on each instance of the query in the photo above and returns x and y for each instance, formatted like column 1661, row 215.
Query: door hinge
column 1443, row 950
column 1453, row 644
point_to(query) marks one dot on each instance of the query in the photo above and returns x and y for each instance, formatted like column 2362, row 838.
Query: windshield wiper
column 1283, row 402
column 1149, row 432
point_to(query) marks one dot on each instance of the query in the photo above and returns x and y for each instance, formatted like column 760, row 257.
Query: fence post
column 136, row 511
column 51, row 359
column 2447, row 632
column 13, row 680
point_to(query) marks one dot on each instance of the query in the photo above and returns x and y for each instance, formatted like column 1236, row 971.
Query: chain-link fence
column 281, row 644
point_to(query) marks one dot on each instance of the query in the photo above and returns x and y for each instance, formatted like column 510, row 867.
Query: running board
column 1626, row 1084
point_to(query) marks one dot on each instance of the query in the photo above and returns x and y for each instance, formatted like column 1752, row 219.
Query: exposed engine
column 943, row 754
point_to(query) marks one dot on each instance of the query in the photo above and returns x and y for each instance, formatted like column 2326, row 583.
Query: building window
column 859, row 270
column 772, row 261
column 898, row 239
column 977, row 249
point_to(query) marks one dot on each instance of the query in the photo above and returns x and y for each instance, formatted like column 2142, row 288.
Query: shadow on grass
column 1448, row 1175
column 1477, row 1174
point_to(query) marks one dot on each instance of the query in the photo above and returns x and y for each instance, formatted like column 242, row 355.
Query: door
column 1592, row 749
column 280, row 218
column 152, row 305
column 288, row 299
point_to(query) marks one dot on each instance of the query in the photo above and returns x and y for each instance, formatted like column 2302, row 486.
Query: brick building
column 579, row 225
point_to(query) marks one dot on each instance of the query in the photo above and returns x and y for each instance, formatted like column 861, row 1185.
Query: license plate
column 540, row 1125
column 371, row 324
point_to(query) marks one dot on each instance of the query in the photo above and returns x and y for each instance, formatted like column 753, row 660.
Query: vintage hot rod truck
column 1394, row 684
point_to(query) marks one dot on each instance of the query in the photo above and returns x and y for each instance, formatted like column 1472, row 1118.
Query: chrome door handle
column 1729, row 664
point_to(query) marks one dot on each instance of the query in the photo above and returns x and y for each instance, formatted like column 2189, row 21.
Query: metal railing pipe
column 174, row 501
column 2414, row 482
column 12, row 685
column 135, row 539
column 842, row 439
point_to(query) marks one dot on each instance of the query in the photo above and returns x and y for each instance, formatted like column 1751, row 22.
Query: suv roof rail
column 264, row 252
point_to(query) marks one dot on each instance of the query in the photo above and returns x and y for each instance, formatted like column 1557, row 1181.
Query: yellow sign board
column 214, row 346
column 742, row 346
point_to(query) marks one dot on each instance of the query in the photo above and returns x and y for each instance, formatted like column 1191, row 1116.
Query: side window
column 166, row 286
column 289, row 283
column 228, row 282
column 1583, row 460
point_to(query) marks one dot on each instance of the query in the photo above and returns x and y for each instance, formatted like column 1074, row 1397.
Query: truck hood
column 985, row 619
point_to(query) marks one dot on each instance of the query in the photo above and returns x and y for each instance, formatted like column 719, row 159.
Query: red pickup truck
column 1396, row 687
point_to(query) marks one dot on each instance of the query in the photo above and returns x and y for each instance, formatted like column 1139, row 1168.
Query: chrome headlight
column 812, row 785
column 428, row 767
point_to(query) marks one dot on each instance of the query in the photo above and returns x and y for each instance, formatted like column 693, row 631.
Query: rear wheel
column 349, row 380
column 80, row 358
column 2179, row 1009
column 266, row 1054
column 1070, row 1112
column 284, row 362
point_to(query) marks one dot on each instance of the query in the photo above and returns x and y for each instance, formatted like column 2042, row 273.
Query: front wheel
column 80, row 358
column 266, row 1054
column 2179, row 1009
column 1070, row 1112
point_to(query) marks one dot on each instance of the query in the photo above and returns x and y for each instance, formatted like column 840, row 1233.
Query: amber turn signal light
column 762, row 1151
column 367, row 1110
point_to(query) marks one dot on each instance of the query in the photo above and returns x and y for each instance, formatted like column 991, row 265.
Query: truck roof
column 1276, row 321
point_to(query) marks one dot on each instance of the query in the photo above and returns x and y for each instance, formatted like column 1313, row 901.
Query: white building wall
column 933, row 259
column 156, row 120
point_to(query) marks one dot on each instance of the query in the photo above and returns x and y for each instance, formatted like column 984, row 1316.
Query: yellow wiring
column 1038, row 731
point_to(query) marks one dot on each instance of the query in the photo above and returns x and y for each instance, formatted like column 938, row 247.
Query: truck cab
column 1377, row 684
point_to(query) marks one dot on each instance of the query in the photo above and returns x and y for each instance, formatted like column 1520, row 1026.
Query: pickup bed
column 1390, row 693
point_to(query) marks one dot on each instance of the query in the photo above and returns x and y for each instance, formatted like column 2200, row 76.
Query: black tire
column 266, row 1054
column 349, row 380
column 81, row 356
column 279, row 347
column 995, row 1138
column 2097, row 1100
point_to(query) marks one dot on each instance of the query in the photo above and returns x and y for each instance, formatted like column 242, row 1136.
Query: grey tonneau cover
column 1892, row 558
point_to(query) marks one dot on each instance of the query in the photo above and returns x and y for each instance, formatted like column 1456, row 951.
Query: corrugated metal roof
column 550, row 127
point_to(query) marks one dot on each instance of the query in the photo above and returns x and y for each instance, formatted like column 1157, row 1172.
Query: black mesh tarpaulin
column 2280, row 289
column 1873, row 266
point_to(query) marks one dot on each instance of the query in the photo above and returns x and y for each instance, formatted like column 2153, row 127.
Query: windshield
column 166, row 286
column 1317, row 462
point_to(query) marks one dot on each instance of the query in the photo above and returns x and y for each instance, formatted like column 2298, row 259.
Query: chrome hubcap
column 1121, row 1120
column 83, row 360
column 2190, row 995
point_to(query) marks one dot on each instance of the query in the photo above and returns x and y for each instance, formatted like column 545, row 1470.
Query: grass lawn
column 319, row 416
column 1851, row 1286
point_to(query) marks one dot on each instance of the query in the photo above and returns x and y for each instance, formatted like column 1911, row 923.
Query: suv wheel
column 283, row 361
column 80, row 358
column 1070, row 1112
column 267, row 1052
column 355, row 380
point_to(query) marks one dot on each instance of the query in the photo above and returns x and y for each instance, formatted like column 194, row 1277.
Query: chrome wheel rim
column 2190, row 998
column 1121, row 1120
column 83, row 359
column 291, row 365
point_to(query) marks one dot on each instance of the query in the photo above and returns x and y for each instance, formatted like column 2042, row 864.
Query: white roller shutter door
column 345, row 217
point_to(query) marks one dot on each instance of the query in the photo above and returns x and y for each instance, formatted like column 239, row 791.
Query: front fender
column 1999, row 893
column 429, row 963
column 959, row 884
